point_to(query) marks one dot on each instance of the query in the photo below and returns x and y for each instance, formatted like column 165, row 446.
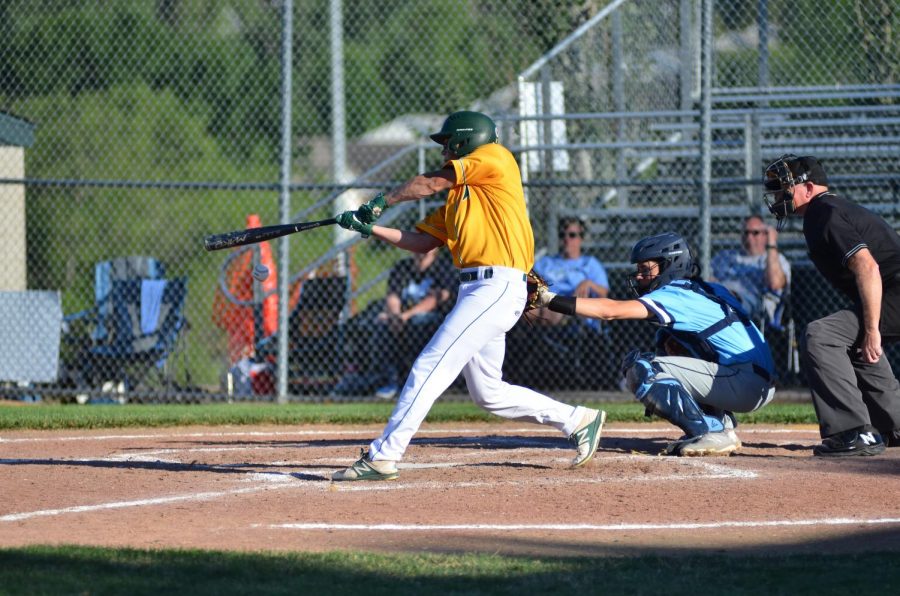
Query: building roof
column 16, row 131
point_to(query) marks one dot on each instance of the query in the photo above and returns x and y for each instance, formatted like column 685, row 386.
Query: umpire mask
column 782, row 175
column 779, row 191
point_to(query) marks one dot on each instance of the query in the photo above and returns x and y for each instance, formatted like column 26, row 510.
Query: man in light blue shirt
column 571, row 273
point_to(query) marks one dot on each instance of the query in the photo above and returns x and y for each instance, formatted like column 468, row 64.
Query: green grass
column 61, row 416
column 82, row 570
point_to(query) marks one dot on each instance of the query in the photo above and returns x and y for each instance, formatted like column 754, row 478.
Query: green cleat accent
column 587, row 438
column 365, row 469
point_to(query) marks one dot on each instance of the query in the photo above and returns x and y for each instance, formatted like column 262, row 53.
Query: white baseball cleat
column 366, row 469
column 587, row 437
column 719, row 443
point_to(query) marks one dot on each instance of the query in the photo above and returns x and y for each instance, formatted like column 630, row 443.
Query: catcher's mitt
column 537, row 288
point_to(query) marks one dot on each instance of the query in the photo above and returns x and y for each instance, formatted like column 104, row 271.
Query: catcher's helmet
column 782, row 175
column 672, row 253
column 463, row 132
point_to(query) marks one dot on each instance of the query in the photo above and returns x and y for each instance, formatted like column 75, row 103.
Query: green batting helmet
column 463, row 132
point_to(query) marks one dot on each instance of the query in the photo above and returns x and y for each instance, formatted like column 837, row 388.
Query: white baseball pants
column 472, row 339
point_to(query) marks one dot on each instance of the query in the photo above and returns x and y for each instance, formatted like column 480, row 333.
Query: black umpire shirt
column 835, row 230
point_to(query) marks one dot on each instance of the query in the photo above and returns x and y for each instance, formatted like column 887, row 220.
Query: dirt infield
column 499, row 487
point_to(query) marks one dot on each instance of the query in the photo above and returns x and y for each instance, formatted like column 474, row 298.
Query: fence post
column 706, row 41
column 284, row 206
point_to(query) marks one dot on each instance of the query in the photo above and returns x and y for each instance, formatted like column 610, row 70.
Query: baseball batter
column 485, row 226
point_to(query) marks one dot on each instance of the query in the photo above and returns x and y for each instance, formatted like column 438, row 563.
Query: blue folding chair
column 145, row 328
column 135, row 326
column 105, row 273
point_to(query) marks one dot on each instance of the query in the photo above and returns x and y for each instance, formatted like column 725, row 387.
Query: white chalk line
column 370, row 432
column 578, row 527
column 538, row 482
column 198, row 435
column 273, row 480
column 205, row 496
column 265, row 481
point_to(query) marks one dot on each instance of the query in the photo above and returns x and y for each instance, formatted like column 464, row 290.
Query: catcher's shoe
column 587, row 437
column 719, row 443
column 366, row 469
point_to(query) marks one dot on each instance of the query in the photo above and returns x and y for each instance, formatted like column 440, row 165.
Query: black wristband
column 563, row 305
column 771, row 247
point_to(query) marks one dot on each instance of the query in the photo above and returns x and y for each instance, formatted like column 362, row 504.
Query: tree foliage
column 227, row 56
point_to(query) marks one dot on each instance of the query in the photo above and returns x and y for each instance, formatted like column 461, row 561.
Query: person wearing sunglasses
column 757, row 273
column 571, row 273
column 552, row 365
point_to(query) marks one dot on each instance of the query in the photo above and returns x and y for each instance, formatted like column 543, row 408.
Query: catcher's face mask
column 779, row 187
column 642, row 280
column 660, row 259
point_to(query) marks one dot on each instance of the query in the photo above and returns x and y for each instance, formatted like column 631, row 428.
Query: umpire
column 854, row 391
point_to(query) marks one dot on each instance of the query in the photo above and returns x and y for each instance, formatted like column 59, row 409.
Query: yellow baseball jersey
column 484, row 221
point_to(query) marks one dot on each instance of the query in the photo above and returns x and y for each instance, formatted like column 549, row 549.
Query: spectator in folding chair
column 419, row 291
column 571, row 273
column 573, row 349
column 757, row 274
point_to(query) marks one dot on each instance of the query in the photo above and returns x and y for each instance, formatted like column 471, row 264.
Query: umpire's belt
column 476, row 273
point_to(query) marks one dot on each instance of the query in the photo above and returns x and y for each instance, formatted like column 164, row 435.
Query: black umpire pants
column 848, row 393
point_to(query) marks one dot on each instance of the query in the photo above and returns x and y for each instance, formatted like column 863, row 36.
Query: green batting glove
column 349, row 221
column 371, row 211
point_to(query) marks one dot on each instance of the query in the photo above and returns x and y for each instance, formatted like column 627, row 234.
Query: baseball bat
column 254, row 235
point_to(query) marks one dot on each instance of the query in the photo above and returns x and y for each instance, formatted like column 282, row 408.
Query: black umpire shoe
column 850, row 442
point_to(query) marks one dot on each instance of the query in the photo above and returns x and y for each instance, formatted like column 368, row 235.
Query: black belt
column 473, row 275
column 487, row 273
column 762, row 373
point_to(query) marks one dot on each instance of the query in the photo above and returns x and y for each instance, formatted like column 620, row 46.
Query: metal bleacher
column 859, row 145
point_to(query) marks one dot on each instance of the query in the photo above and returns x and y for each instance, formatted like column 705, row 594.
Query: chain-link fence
column 132, row 129
column 628, row 157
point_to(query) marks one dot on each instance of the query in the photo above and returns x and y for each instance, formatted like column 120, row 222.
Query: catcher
column 710, row 359
column 485, row 226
